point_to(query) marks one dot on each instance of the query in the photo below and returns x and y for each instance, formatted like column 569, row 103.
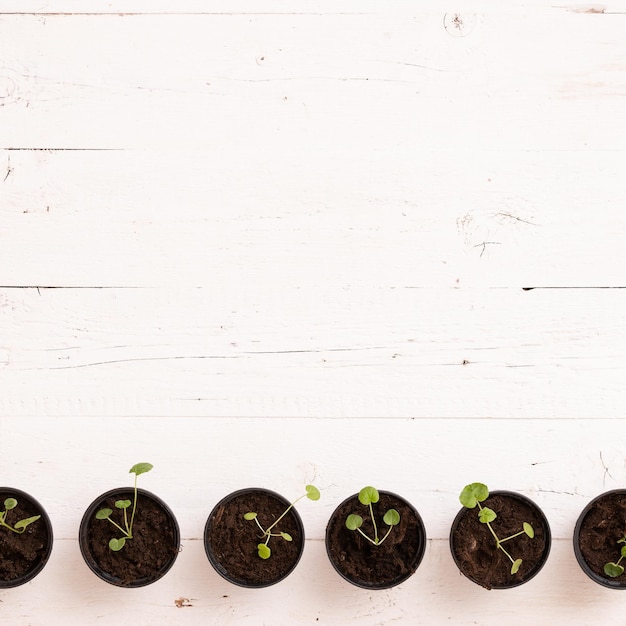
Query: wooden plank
column 329, row 352
column 155, row 218
column 396, row 85
column 559, row 463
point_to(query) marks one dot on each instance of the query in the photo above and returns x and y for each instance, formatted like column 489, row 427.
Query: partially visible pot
column 145, row 558
column 230, row 541
column 370, row 566
column 474, row 549
column 598, row 529
column 23, row 555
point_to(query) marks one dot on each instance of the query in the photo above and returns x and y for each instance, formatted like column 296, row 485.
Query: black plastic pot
column 376, row 567
column 42, row 525
column 165, row 519
column 230, row 541
column 605, row 537
column 541, row 533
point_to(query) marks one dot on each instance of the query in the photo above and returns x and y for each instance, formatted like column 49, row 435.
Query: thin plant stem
column 132, row 517
column 374, row 523
column 284, row 513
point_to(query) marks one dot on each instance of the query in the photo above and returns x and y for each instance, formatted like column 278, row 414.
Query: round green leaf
column 264, row 551
column 613, row 570
column 103, row 513
column 249, row 516
column 472, row 494
column 140, row 468
column 312, row 492
column 623, row 551
column 528, row 529
column 368, row 495
column 286, row 536
column 516, row 565
column 122, row 504
column 486, row 515
column 391, row 517
column 353, row 522
column 117, row 544
column 10, row 503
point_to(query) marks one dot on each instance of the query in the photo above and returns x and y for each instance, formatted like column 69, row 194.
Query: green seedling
column 472, row 496
column 263, row 549
column 116, row 543
column 615, row 569
column 20, row 526
column 367, row 497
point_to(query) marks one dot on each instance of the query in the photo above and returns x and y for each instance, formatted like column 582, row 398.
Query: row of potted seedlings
column 254, row 537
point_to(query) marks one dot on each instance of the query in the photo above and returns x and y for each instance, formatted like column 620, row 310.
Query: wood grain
column 246, row 241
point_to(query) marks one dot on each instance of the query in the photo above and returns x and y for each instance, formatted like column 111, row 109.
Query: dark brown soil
column 474, row 548
column 601, row 528
column 147, row 555
column 372, row 566
column 19, row 554
column 231, row 541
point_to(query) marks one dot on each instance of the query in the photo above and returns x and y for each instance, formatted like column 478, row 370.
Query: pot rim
column 90, row 561
column 609, row 583
column 548, row 537
column 217, row 565
column 399, row 580
column 36, row 569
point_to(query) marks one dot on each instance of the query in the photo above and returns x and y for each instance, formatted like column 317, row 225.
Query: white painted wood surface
column 246, row 241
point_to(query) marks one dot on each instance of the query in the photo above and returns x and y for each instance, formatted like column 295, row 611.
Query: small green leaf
column 516, row 565
column 613, row 570
column 472, row 494
column 103, row 513
column 312, row 492
column 249, row 516
column 623, row 551
column 140, row 468
column 391, row 517
column 122, row 504
column 486, row 515
column 353, row 522
column 286, row 536
column 368, row 495
column 23, row 523
column 10, row 503
column 117, row 544
column 528, row 529
column 264, row 551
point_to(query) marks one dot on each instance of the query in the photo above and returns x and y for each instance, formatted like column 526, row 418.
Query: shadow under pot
column 26, row 544
column 476, row 553
column 599, row 537
column 232, row 537
column 146, row 557
column 380, row 565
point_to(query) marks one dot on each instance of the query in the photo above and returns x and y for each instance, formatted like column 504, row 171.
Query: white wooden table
column 247, row 240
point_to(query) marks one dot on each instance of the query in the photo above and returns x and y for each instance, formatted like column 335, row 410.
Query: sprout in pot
column 239, row 530
column 146, row 541
column 378, row 546
column 367, row 497
column 25, row 538
column 472, row 496
column 116, row 543
column 263, row 549
column 505, row 544
column 600, row 539
column 20, row 525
